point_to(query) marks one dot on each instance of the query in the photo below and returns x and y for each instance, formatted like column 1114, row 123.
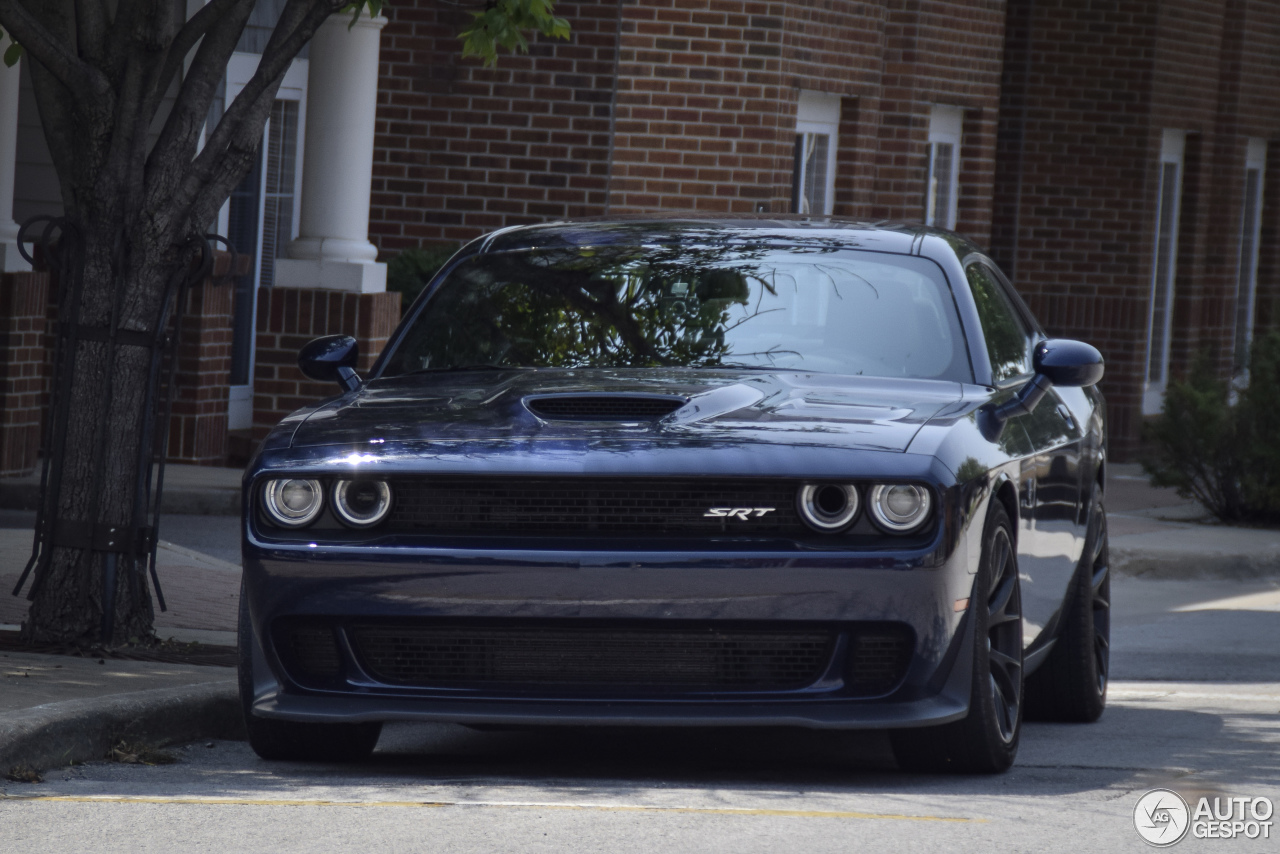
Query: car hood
column 776, row 407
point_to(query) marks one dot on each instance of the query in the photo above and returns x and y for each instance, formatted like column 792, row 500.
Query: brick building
column 1062, row 135
column 1116, row 158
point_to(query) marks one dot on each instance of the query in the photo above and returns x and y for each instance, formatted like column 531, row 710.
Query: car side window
column 1006, row 334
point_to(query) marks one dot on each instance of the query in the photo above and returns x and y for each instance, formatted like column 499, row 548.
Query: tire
column 292, row 740
column 1071, row 685
column 986, row 740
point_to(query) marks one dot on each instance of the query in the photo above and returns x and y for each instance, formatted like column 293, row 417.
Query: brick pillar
column 23, row 300
column 290, row 317
column 198, row 431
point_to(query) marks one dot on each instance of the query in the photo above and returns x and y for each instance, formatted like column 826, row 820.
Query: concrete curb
column 212, row 501
column 58, row 734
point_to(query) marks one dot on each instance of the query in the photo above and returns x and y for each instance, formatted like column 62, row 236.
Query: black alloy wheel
column 986, row 740
column 1071, row 685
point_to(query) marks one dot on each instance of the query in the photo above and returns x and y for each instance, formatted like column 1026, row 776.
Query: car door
column 1050, row 537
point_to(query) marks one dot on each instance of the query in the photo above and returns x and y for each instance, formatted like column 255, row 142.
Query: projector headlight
column 828, row 507
column 899, row 507
column 293, row 502
column 361, row 503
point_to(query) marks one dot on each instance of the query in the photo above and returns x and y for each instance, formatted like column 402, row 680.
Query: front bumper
column 424, row 584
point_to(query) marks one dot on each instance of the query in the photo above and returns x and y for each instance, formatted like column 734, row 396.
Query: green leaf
column 12, row 54
column 503, row 23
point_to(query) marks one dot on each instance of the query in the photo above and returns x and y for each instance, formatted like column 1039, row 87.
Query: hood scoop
column 603, row 407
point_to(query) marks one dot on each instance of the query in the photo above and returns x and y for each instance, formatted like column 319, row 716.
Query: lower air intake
column 584, row 657
column 878, row 659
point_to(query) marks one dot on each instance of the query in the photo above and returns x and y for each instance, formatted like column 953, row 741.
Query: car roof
column 700, row 229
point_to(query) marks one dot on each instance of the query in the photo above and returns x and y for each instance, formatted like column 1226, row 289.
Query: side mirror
column 1068, row 363
column 1057, row 361
column 331, row 359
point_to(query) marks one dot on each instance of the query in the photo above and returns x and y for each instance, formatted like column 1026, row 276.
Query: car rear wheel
column 986, row 740
column 293, row 740
column 1071, row 685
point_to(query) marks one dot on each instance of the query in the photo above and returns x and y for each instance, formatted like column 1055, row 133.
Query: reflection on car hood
column 775, row 407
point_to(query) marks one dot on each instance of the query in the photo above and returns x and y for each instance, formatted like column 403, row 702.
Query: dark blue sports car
column 698, row 472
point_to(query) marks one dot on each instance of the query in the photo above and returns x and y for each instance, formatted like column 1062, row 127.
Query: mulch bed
column 167, row 652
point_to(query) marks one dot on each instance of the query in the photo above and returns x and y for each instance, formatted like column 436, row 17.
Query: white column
column 333, row 249
column 11, row 260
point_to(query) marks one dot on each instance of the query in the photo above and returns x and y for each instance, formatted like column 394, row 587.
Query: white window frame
column 818, row 113
column 1247, row 273
column 946, row 126
column 1173, row 146
column 240, row 70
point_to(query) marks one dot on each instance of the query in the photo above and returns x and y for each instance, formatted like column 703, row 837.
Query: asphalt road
column 1195, row 707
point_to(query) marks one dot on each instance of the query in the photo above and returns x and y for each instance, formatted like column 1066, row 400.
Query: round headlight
column 293, row 502
column 361, row 503
column 899, row 507
column 828, row 507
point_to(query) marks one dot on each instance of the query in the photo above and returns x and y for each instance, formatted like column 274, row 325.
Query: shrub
column 1224, row 454
column 411, row 270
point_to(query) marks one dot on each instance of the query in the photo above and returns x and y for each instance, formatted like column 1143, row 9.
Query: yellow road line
column 272, row 802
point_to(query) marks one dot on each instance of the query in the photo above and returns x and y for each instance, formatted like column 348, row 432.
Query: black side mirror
column 1068, row 363
column 332, row 359
column 1057, row 361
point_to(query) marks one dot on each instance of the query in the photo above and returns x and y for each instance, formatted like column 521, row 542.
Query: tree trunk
column 108, row 431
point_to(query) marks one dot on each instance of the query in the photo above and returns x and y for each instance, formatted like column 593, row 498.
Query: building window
column 1247, row 271
column 813, row 178
column 261, row 218
column 942, row 190
column 1163, row 270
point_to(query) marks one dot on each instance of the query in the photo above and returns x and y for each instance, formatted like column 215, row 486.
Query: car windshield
column 797, row 308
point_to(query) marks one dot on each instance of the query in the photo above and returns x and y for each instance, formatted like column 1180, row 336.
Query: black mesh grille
column 598, row 407
column 878, row 659
column 311, row 647
column 620, row 506
column 656, row 658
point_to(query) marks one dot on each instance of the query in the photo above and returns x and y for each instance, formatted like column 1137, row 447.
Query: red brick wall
column 198, row 429
column 23, row 301
column 1087, row 92
column 706, row 94
column 461, row 150
column 290, row 317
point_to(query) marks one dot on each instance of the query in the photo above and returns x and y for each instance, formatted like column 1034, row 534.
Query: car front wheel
column 986, row 740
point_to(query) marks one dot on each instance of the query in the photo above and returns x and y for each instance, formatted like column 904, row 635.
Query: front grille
column 618, row 506
column 878, row 659
column 601, row 407
column 687, row 658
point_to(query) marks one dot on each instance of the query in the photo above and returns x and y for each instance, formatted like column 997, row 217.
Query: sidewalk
column 203, row 490
column 1155, row 534
column 56, row 709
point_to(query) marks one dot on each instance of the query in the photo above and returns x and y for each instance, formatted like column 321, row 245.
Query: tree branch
column 177, row 142
column 205, row 180
column 43, row 47
column 192, row 31
column 91, row 30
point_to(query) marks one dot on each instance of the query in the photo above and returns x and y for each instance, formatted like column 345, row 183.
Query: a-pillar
column 331, row 282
